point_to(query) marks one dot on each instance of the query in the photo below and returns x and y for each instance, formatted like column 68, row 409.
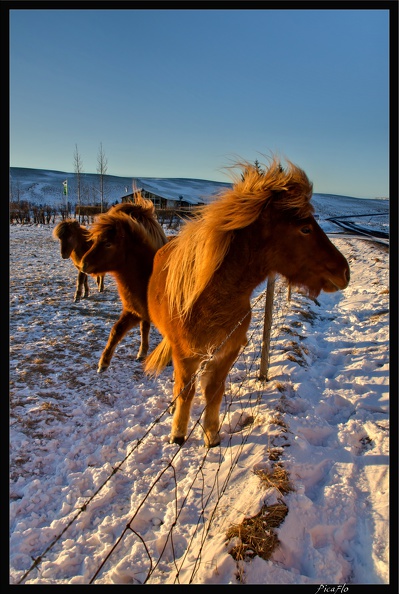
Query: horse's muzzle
column 337, row 282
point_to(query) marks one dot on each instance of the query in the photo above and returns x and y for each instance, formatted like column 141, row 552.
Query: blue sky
column 186, row 92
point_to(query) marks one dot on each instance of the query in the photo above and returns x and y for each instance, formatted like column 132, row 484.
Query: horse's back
column 157, row 300
column 159, row 269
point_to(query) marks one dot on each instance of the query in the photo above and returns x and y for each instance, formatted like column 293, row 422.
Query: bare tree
column 16, row 192
column 78, row 170
column 102, row 168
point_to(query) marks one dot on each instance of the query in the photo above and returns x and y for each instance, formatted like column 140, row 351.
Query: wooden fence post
column 267, row 324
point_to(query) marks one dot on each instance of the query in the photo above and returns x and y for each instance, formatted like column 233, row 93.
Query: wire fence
column 207, row 487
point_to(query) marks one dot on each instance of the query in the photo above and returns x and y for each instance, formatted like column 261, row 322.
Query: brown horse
column 202, row 281
column 125, row 240
column 74, row 243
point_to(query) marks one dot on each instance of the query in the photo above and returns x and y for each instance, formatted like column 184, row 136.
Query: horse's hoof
column 101, row 369
column 140, row 358
column 213, row 444
column 178, row 440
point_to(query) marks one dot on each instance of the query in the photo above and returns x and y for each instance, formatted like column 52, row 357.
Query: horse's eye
column 108, row 244
column 306, row 230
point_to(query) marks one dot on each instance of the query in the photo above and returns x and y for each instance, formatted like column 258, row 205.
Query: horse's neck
column 246, row 263
column 76, row 257
column 133, row 275
column 79, row 251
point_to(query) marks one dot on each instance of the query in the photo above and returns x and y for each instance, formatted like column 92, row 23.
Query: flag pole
column 65, row 184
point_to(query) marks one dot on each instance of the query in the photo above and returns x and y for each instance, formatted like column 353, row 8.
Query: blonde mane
column 200, row 248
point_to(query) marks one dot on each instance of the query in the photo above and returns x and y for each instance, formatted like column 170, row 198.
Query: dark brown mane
column 142, row 211
column 64, row 227
column 138, row 209
column 109, row 223
column 70, row 226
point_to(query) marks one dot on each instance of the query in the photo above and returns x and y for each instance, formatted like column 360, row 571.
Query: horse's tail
column 159, row 358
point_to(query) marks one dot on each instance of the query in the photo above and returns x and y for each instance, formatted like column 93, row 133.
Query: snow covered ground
column 97, row 495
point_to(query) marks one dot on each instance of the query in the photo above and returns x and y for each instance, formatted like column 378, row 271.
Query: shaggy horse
column 125, row 240
column 199, row 292
column 74, row 243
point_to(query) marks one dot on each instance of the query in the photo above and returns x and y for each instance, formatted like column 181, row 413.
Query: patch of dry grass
column 257, row 535
column 275, row 454
column 296, row 353
column 278, row 478
column 288, row 330
column 280, row 387
column 377, row 314
column 306, row 314
column 277, row 420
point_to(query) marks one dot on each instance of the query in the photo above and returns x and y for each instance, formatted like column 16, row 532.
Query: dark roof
column 189, row 190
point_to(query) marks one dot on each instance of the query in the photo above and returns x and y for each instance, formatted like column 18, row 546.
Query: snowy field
column 98, row 496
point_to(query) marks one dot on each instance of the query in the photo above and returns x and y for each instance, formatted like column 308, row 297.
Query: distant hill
column 42, row 186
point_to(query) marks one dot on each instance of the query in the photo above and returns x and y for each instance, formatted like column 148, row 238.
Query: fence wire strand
column 217, row 490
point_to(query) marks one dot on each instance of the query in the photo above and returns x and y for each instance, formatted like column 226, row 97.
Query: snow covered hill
column 41, row 186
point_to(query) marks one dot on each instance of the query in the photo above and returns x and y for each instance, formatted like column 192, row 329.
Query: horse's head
column 116, row 239
column 66, row 232
column 301, row 251
column 294, row 245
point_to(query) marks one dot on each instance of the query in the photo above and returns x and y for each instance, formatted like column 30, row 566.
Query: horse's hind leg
column 80, row 283
column 144, row 332
column 213, row 380
column 183, row 392
column 86, row 287
column 126, row 321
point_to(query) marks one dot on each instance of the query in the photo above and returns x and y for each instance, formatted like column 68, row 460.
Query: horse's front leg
column 80, row 283
column 183, row 394
column 86, row 287
column 213, row 379
column 144, row 333
column 126, row 321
